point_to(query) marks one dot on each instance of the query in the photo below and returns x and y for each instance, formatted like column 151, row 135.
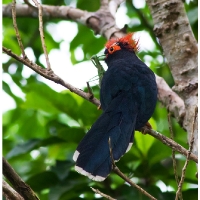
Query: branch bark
column 20, row 186
column 170, row 100
column 171, row 26
column 16, row 29
column 49, row 74
column 102, row 194
column 42, row 33
column 170, row 143
column 10, row 193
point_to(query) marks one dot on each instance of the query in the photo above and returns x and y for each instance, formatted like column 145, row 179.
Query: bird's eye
column 111, row 49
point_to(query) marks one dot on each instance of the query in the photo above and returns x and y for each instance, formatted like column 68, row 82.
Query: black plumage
column 128, row 97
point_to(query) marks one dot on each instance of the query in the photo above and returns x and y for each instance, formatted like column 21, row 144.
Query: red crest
column 132, row 43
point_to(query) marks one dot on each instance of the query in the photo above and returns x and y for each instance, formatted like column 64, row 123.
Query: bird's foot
column 145, row 128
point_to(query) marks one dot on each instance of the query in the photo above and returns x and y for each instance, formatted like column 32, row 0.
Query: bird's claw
column 145, row 128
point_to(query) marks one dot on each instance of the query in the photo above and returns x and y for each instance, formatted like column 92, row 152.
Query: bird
column 128, row 96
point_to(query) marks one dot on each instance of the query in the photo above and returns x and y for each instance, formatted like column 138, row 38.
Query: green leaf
column 157, row 152
column 7, row 89
column 40, row 96
column 32, row 144
column 191, row 194
column 86, row 44
column 62, row 168
column 43, row 180
column 23, row 148
column 193, row 15
column 144, row 142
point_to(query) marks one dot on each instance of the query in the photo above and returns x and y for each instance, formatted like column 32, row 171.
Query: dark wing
column 117, row 123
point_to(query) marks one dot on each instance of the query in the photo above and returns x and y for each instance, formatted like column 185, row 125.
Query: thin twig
column 18, row 184
column 170, row 143
column 42, row 33
column 173, row 154
column 90, row 90
column 124, row 177
column 102, row 194
column 51, row 76
column 187, row 158
column 10, row 193
column 16, row 29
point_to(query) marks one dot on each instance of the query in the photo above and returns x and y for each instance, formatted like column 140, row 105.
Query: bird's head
column 116, row 44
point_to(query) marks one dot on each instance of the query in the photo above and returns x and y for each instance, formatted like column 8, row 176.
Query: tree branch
column 173, row 155
column 42, row 33
column 174, row 104
column 60, row 12
column 50, row 75
column 171, row 26
column 16, row 29
column 170, row 143
column 20, row 186
column 187, row 158
column 10, row 193
column 102, row 194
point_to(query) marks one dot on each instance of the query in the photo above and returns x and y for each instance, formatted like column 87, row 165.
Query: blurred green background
column 42, row 124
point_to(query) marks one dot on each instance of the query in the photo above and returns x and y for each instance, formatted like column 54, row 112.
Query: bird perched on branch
column 128, row 97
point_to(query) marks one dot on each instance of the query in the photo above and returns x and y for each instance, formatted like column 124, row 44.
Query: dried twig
column 187, row 158
column 173, row 154
column 102, row 194
column 16, row 29
column 124, row 177
column 42, row 33
column 19, row 185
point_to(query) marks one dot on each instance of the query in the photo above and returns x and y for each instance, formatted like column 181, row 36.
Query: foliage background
column 42, row 132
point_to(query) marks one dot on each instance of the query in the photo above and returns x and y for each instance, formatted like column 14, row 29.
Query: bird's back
column 126, row 72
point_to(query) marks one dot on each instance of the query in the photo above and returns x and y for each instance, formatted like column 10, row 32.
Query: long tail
column 117, row 122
